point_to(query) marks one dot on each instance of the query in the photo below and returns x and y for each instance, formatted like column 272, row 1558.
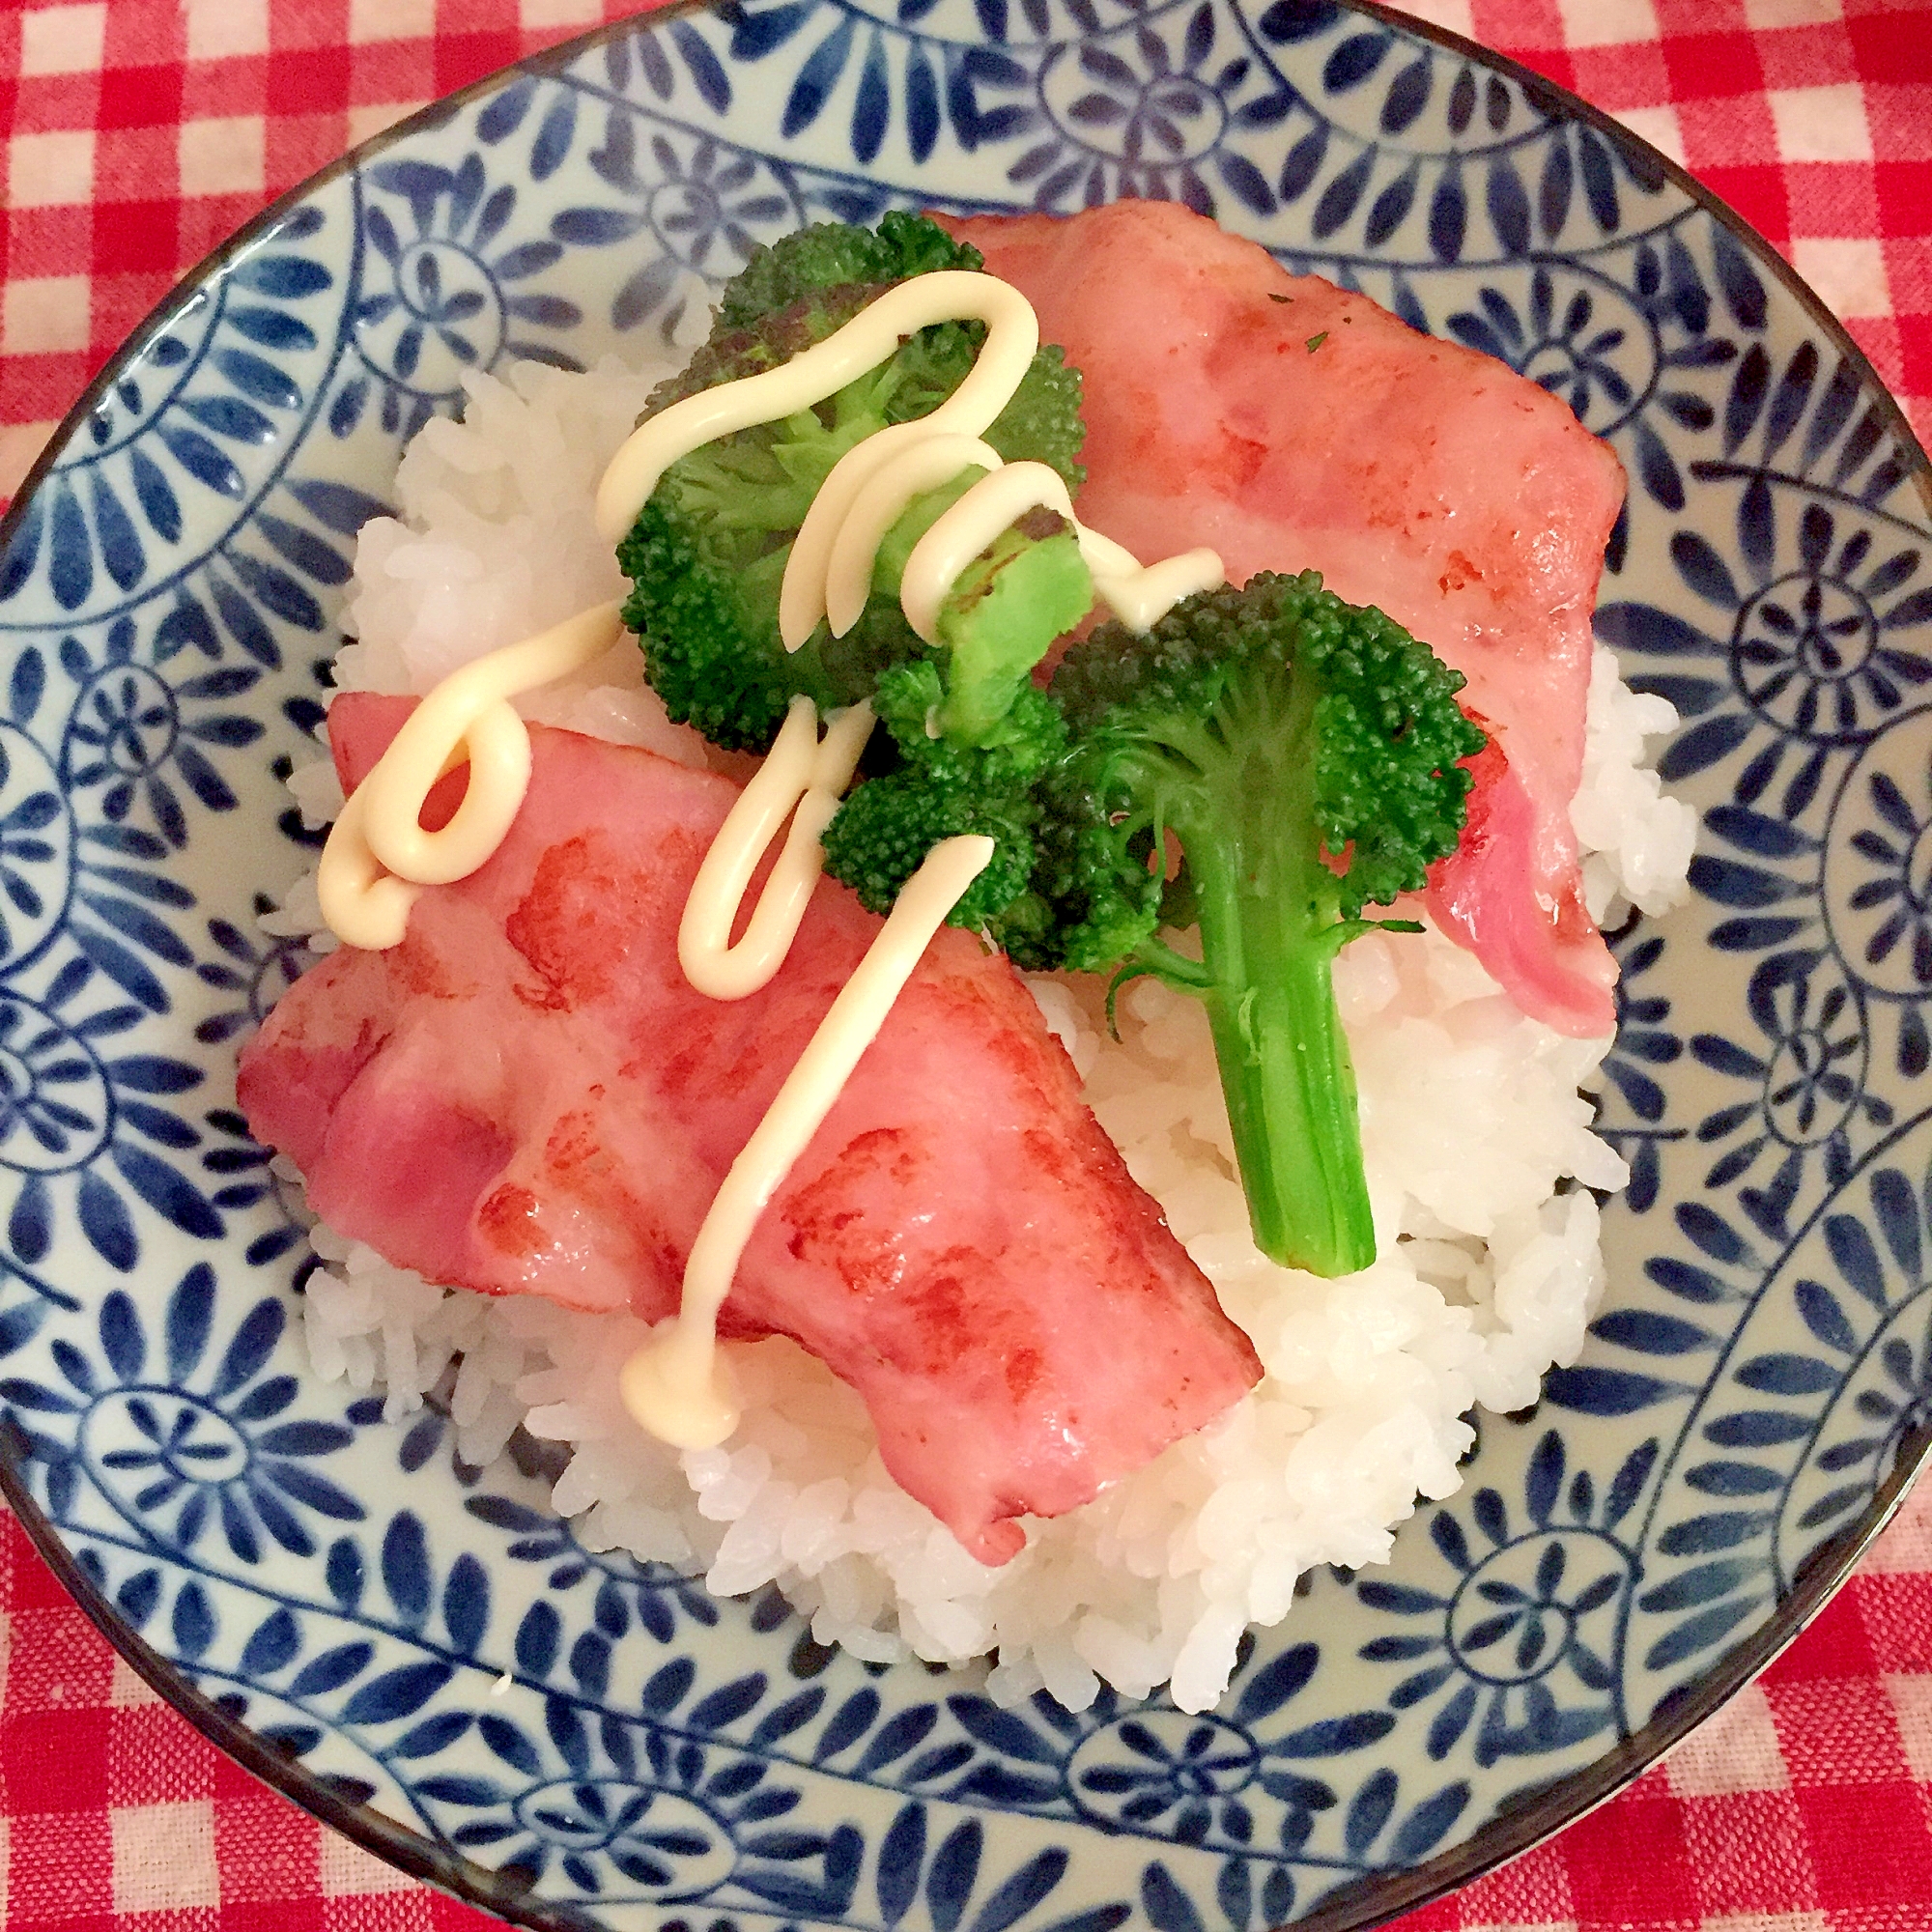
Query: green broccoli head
column 706, row 556
column 1306, row 755
column 836, row 253
column 1239, row 683
column 939, row 789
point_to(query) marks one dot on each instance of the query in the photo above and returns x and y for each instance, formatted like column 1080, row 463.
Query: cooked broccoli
column 1305, row 755
column 939, row 789
column 835, row 254
column 707, row 552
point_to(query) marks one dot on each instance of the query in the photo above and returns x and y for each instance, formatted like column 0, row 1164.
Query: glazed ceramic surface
column 417, row 1649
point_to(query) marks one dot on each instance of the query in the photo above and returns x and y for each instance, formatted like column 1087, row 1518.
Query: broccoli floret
column 969, row 749
column 1305, row 754
column 836, row 252
column 939, row 789
column 708, row 551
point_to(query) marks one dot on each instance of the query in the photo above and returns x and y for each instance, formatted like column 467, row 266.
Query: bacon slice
column 1293, row 426
column 526, row 1097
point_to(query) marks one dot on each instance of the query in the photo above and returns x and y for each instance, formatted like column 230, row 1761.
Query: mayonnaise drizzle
column 672, row 1385
column 802, row 778
column 870, row 338
column 829, row 573
column 378, row 857
column 880, row 502
column 1139, row 596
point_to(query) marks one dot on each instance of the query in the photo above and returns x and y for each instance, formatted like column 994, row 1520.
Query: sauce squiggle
column 828, row 576
column 379, row 858
column 804, row 778
column 672, row 1385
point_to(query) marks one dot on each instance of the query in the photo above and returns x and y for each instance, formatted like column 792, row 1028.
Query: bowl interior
column 415, row 1649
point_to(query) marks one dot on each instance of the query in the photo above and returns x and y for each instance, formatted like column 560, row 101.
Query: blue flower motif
column 1815, row 652
column 1599, row 364
column 1158, row 1763
column 1810, row 1076
column 1142, row 113
column 1813, row 648
column 136, row 738
column 441, row 291
column 1238, row 1780
column 209, row 391
column 191, row 1446
column 655, row 1808
column 1615, row 354
column 707, row 207
column 1524, row 1639
column 1160, row 114
column 1822, row 686
column 73, row 1110
column 663, row 1843
column 704, row 206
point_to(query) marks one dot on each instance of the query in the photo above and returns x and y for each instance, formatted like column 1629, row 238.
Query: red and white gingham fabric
column 138, row 133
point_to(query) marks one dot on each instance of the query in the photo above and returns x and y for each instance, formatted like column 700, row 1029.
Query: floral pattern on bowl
column 417, row 1649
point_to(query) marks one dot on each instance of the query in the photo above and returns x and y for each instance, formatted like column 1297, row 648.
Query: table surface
column 141, row 132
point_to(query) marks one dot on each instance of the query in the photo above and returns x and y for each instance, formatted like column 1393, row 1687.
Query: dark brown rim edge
column 1370, row 1902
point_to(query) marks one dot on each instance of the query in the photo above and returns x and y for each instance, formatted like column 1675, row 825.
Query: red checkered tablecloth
column 140, row 133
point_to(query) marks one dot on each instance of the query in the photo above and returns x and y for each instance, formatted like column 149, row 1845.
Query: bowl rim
column 1538, row 1814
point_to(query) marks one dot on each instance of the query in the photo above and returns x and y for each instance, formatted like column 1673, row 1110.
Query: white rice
column 1471, row 1124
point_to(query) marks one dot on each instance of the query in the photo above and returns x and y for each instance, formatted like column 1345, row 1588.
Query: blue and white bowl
column 415, row 1650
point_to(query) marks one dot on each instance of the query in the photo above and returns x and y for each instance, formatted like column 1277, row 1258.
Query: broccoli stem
column 1271, row 926
column 1289, row 1086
